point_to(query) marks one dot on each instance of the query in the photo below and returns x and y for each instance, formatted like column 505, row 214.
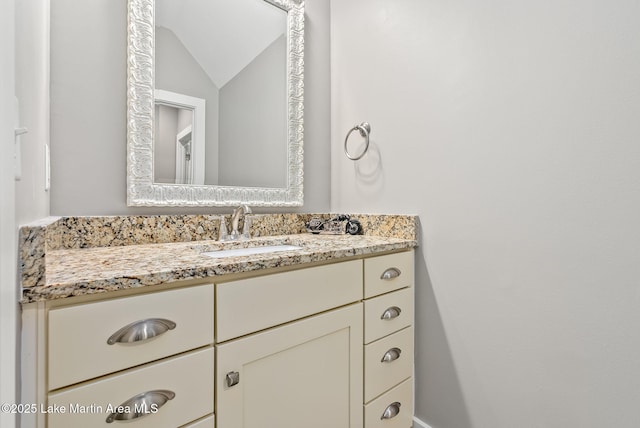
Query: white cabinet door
column 304, row 374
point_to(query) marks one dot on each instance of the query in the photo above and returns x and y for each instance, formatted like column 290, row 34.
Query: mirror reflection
column 221, row 93
column 173, row 160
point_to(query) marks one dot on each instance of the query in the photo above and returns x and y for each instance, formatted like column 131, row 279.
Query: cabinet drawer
column 209, row 422
column 253, row 304
column 78, row 348
column 189, row 377
column 387, row 362
column 399, row 398
column 387, row 273
column 388, row 313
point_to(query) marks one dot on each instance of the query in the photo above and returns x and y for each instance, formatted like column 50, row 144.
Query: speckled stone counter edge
column 32, row 249
column 57, row 233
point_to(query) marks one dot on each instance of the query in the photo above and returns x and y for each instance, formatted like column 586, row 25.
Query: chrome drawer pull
column 233, row 378
column 141, row 405
column 391, row 355
column 390, row 273
column 391, row 313
column 391, row 411
column 141, row 330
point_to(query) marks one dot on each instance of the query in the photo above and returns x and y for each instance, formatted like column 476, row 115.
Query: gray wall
column 512, row 129
column 253, row 115
column 88, row 110
column 32, row 89
column 178, row 71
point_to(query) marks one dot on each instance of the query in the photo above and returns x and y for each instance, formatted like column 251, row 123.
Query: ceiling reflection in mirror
column 215, row 102
column 231, row 54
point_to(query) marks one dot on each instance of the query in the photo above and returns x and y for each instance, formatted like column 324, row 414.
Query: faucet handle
column 223, row 233
column 246, row 227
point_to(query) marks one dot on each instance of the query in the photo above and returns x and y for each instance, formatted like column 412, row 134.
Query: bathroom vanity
column 150, row 321
column 320, row 336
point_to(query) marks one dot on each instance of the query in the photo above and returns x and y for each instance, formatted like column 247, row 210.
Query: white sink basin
column 237, row 252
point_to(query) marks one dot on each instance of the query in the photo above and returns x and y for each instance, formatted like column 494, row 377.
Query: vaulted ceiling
column 222, row 35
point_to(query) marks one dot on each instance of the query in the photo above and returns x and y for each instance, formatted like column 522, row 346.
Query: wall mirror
column 215, row 102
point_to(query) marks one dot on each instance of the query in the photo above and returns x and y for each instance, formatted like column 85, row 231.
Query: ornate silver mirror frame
column 141, row 189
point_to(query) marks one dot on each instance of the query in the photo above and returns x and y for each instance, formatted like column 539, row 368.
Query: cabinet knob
column 391, row 313
column 141, row 330
column 391, row 273
column 141, row 405
column 233, row 378
column 391, row 355
column 391, row 411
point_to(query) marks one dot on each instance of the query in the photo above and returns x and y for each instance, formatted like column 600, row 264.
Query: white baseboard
column 417, row 423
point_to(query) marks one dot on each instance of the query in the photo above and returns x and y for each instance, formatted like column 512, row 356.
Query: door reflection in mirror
column 179, row 139
column 184, row 166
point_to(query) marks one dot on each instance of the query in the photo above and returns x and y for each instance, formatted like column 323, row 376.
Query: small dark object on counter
column 315, row 225
column 353, row 227
column 334, row 226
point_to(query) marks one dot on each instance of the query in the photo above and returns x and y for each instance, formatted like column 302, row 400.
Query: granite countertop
column 74, row 272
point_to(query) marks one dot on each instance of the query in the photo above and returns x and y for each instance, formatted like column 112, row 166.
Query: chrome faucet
column 242, row 210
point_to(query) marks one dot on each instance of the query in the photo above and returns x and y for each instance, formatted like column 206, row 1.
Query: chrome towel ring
column 365, row 130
